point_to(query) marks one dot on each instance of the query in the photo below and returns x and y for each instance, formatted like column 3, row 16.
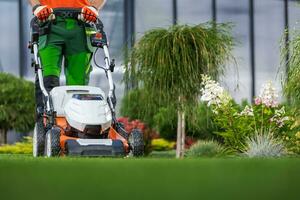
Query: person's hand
column 43, row 13
column 89, row 14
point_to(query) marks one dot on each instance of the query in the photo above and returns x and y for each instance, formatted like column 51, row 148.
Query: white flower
column 213, row 93
column 280, row 112
column 248, row 111
column 268, row 95
column 279, row 117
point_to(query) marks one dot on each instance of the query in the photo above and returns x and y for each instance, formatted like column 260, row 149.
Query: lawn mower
column 81, row 120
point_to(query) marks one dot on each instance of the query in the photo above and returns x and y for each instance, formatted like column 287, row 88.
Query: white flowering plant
column 236, row 123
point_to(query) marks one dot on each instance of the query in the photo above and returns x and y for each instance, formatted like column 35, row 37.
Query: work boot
column 49, row 82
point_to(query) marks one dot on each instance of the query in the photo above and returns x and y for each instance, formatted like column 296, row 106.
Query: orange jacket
column 65, row 3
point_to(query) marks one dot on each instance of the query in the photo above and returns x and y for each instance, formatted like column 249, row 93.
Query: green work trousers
column 66, row 39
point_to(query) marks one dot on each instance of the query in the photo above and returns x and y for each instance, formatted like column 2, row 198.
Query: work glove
column 43, row 13
column 89, row 14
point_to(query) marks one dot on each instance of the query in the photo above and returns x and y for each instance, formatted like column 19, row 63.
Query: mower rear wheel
column 52, row 148
column 38, row 139
column 136, row 142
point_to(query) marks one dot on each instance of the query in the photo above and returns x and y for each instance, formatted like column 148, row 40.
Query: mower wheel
column 52, row 148
column 38, row 140
column 136, row 142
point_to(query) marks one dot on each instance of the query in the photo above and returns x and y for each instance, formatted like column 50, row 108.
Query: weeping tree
column 168, row 64
column 16, row 105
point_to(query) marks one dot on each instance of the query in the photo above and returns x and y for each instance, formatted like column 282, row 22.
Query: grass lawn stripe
column 23, row 177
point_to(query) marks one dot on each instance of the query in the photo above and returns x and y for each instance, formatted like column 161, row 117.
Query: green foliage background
column 16, row 103
column 291, row 83
column 135, row 106
column 164, row 118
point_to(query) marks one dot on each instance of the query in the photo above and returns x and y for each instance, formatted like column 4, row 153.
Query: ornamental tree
column 16, row 105
column 168, row 64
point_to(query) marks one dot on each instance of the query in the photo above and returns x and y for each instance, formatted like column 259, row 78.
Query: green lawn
column 23, row 177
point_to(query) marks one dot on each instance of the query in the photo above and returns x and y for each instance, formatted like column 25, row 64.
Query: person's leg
column 78, row 68
column 77, row 54
column 51, row 58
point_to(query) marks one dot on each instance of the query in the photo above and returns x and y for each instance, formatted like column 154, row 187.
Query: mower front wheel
column 38, row 139
column 136, row 142
column 52, row 148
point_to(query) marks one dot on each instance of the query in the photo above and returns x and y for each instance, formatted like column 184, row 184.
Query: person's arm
column 42, row 12
column 90, row 13
column 34, row 2
column 97, row 3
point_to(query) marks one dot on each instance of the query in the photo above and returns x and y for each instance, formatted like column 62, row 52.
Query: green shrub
column 165, row 121
column 205, row 149
column 296, row 143
column 16, row 105
column 199, row 123
column 134, row 106
column 24, row 147
column 162, row 145
column 292, row 137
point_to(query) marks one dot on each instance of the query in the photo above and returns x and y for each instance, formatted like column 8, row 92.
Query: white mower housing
column 82, row 106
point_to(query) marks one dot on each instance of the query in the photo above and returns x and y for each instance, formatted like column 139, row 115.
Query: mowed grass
column 23, row 177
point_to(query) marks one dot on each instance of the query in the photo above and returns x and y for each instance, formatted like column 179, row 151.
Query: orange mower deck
column 68, row 141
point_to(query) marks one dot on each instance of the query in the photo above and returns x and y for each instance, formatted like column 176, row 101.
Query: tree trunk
column 180, row 135
column 3, row 137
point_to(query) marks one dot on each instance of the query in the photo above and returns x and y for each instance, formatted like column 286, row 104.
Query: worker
column 64, row 39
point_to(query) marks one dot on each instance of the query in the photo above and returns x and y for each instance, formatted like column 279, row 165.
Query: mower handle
column 72, row 12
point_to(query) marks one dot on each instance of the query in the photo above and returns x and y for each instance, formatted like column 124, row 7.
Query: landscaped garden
column 227, row 149
column 175, row 72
